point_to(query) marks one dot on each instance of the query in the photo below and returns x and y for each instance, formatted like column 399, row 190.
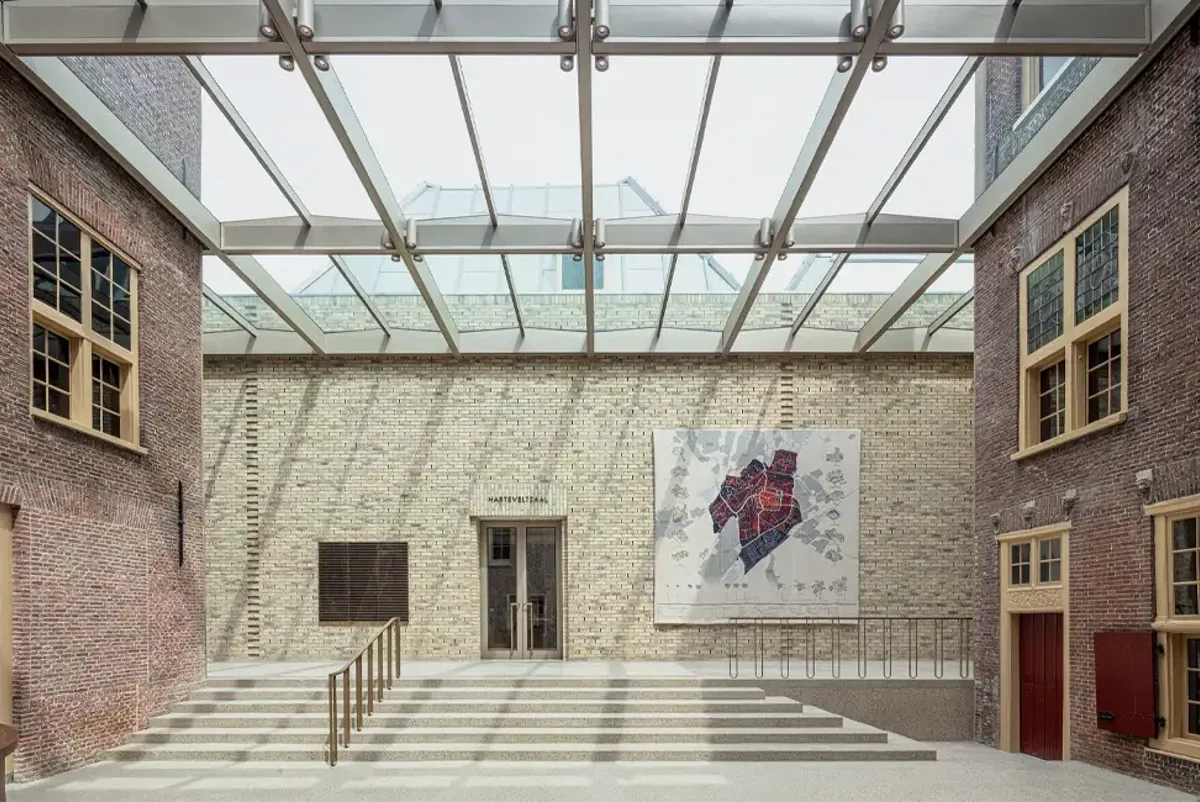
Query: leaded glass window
column 1052, row 401
column 1097, row 281
column 1045, row 302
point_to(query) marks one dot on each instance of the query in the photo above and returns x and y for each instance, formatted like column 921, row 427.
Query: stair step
column 548, row 751
column 492, row 682
column 809, row 718
column 374, row 735
column 489, row 693
column 761, row 706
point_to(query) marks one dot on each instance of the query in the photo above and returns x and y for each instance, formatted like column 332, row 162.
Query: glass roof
column 758, row 172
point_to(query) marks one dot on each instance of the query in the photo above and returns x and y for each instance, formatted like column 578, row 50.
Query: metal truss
column 308, row 35
column 663, row 234
column 799, row 27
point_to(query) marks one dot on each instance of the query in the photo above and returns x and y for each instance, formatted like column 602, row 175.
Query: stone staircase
column 513, row 720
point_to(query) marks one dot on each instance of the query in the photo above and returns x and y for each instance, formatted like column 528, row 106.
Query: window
column 501, row 546
column 84, row 330
column 1033, row 559
column 1019, row 553
column 1050, row 560
column 1073, row 300
column 1039, row 73
column 573, row 273
column 1177, row 622
column 362, row 583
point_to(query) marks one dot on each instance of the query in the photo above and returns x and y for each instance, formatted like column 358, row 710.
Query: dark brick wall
column 1148, row 139
column 158, row 99
column 108, row 628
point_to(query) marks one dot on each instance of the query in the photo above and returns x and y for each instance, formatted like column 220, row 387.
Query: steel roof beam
column 890, row 234
column 243, row 130
column 339, row 113
column 583, row 69
column 957, row 84
column 933, row 27
column 843, row 86
column 948, row 315
column 710, row 88
column 73, row 98
column 464, row 101
column 231, row 313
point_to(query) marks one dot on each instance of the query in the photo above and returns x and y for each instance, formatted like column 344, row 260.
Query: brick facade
column 1148, row 141
column 107, row 627
column 301, row 450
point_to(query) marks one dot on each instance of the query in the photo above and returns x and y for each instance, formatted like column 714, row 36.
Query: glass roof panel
column 762, row 109
column 786, row 289
column 941, row 295
column 941, row 182
column 527, row 117
column 234, row 185
column 885, row 117
column 388, row 283
column 432, row 147
column 224, row 282
column 860, row 288
column 704, row 290
column 214, row 320
column 284, row 115
column 965, row 319
column 646, row 134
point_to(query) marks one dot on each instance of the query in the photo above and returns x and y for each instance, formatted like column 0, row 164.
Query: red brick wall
column 1148, row 139
column 108, row 628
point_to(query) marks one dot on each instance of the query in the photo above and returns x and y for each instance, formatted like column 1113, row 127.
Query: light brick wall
column 303, row 450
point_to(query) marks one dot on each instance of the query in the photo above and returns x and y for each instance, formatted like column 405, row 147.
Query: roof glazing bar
column 710, row 88
column 843, row 86
column 66, row 91
column 948, row 315
column 464, row 101
column 231, row 313
column 339, row 113
column 243, row 130
column 583, row 58
column 957, row 84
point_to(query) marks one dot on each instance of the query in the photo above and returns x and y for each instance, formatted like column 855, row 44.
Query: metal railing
column 385, row 641
column 929, row 644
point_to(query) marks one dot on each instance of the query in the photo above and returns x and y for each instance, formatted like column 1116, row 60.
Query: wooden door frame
column 482, row 526
column 1033, row 598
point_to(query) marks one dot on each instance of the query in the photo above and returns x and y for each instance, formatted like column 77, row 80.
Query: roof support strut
column 339, row 113
column 838, row 97
column 243, row 130
column 583, row 67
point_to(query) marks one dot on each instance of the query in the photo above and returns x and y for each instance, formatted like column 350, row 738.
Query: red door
column 1041, row 655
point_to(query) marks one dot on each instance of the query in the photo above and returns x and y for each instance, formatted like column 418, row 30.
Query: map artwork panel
column 755, row 522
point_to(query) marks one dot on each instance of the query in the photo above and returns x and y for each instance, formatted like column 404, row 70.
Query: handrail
column 374, row 652
column 9, row 737
column 929, row 639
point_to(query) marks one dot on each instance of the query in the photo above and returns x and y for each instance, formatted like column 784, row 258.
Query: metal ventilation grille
column 362, row 583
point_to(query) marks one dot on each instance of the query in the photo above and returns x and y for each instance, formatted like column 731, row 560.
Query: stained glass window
column 1045, row 302
column 1096, row 277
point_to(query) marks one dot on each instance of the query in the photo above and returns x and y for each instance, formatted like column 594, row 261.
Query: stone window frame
column 84, row 341
column 1071, row 346
column 1172, row 632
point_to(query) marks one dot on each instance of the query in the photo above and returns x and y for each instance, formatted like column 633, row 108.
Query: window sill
column 73, row 426
column 1091, row 428
column 1178, row 748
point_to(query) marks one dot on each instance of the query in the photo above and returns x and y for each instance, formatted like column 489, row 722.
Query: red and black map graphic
column 764, row 502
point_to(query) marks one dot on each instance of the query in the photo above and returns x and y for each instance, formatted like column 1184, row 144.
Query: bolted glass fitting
column 895, row 32
column 267, row 31
column 304, row 31
column 602, row 31
column 564, row 32
column 321, row 63
column 287, row 63
column 879, row 63
column 395, row 257
column 602, row 63
column 845, row 63
column 567, row 63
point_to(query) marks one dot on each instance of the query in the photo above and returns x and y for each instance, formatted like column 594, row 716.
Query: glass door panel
column 541, row 584
column 500, row 547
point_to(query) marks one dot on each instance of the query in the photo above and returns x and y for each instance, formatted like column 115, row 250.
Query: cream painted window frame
column 84, row 342
column 1172, row 632
column 1071, row 345
column 1034, row 538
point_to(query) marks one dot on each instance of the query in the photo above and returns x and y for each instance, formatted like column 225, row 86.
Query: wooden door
column 1041, row 657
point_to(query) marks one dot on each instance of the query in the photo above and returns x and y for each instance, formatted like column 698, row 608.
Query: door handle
column 514, row 610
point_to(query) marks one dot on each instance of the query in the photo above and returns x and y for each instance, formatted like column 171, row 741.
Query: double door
column 521, row 590
column 1041, row 663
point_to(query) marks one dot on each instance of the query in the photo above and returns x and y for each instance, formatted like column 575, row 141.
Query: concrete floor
column 593, row 669
column 962, row 773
